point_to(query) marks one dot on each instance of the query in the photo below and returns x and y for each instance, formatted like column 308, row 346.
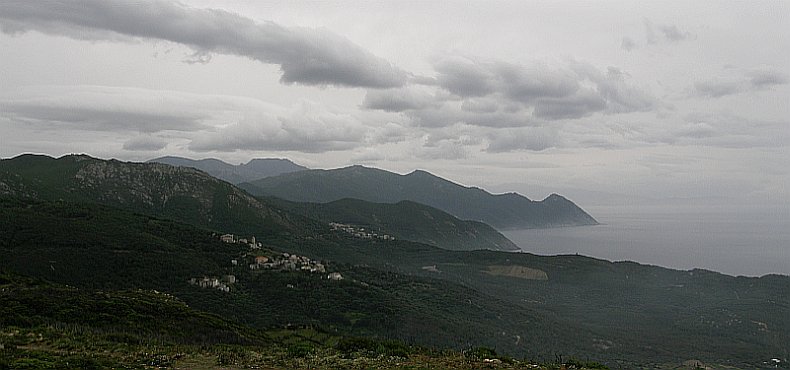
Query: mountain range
column 193, row 196
column 405, row 220
column 255, row 169
column 623, row 314
column 284, row 179
column 502, row 211
column 116, row 238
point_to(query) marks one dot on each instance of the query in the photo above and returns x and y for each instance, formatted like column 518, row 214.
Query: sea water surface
column 732, row 240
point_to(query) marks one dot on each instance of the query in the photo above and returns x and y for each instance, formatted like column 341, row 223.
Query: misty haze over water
column 731, row 240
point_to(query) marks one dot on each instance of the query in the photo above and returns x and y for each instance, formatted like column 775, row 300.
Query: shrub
column 299, row 350
column 480, row 353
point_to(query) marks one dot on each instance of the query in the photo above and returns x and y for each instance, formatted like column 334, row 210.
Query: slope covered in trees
column 405, row 220
column 502, row 211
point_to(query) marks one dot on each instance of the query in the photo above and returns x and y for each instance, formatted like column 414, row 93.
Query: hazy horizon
column 622, row 106
column 666, row 100
column 726, row 240
column 667, row 122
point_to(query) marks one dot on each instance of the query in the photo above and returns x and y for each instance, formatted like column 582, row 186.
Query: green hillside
column 45, row 325
column 103, row 247
column 98, row 247
column 178, row 193
column 134, row 315
column 191, row 196
column 619, row 313
column 502, row 211
column 637, row 313
column 405, row 220
column 110, row 226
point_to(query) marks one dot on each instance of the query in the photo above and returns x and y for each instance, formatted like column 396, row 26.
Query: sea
column 749, row 241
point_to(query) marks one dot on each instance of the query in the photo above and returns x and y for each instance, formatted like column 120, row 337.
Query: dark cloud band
column 305, row 56
column 741, row 82
column 501, row 94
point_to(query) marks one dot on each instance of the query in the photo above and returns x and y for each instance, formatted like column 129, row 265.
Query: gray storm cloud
column 529, row 138
column 112, row 109
column 397, row 100
column 767, row 78
column 305, row 55
column 203, row 122
column 698, row 129
column 670, row 33
column 551, row 93
column 306, row 127
column 716, row 88
column 95, row 118
column 501, row 94
column 656, row 34
column 673, row 33
column 628, row 44
column 145, row 143
column 746, row 81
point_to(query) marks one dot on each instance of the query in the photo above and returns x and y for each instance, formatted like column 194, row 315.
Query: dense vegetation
column 405, row 220
column 45, row 325
column 102, row 247
column 122, row 314
column 59, row 224
column 631, row 311
column 98, row 247
column 253, row 170
column 616, row 312
column 193, row 197
column 501, row 211
column 178, row 193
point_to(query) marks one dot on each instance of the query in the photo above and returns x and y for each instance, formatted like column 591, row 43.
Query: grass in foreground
column 45, row 325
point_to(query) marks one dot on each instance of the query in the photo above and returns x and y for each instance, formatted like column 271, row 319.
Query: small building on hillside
column 227, row 238
column 334, row 276
column 261, row 259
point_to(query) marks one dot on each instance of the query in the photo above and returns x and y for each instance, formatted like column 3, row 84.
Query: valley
column 114, row 226
column 410, row 185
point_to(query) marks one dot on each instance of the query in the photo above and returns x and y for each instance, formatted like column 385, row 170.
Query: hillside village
column 221, row 284
column 256, row 260
column 287, row 262
column 359, row 232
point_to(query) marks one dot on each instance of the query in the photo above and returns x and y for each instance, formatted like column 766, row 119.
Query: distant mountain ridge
column 255, row 169
column 406, row 220
column 102, row 225
column 502, row 211
column 189, row 195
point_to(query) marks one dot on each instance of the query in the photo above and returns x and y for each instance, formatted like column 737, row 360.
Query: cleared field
column 516, row 271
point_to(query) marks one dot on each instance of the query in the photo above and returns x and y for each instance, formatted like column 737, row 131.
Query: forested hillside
column 502, row 211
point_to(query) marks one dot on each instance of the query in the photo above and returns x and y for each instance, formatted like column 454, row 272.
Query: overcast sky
column 591, row 99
